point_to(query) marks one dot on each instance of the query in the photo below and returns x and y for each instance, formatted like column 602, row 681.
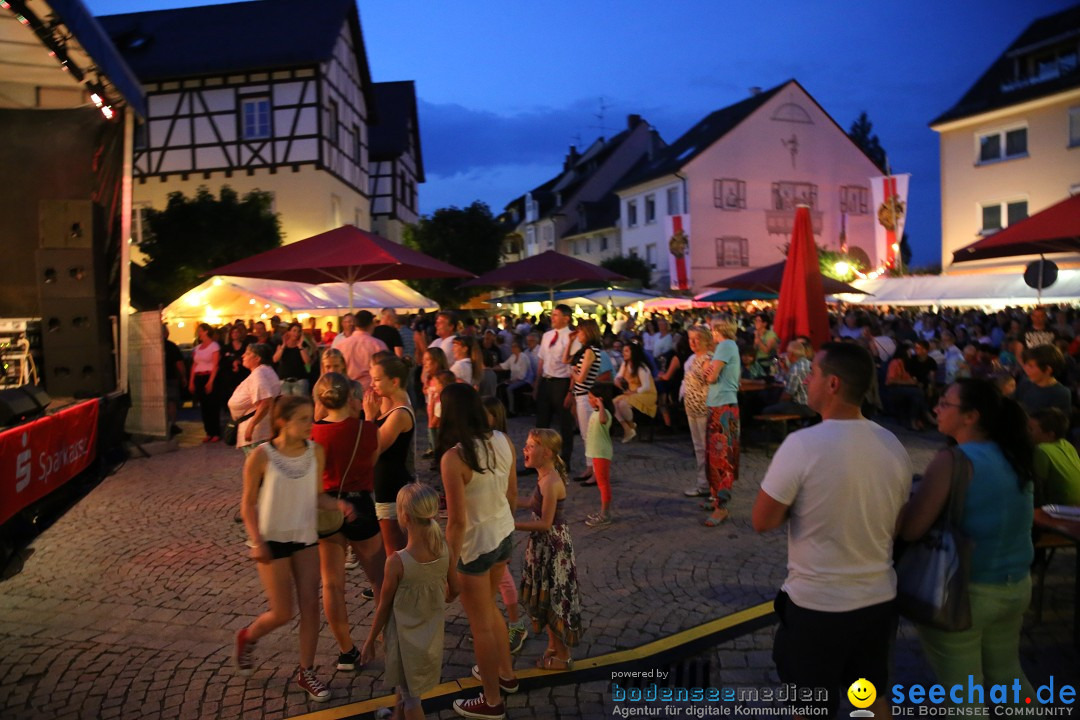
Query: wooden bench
column 780, row 420
column 1045, row 544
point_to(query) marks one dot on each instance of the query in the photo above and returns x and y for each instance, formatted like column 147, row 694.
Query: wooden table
column 1069, row 529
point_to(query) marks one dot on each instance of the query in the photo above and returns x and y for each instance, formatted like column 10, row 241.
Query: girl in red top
column 351, row 446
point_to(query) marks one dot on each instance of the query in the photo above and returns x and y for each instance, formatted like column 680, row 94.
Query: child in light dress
column 412, row 608
column 598, row 447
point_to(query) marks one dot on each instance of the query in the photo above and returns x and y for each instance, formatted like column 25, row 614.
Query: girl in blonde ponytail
column 412, row 606
column 549, row 586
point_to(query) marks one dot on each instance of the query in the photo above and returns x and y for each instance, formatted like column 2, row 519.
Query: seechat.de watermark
column 974, row 699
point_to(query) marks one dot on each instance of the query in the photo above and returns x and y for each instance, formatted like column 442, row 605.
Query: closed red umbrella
column 801, row 307
column 549, row 269
column 346, row 254
column 1053, row 230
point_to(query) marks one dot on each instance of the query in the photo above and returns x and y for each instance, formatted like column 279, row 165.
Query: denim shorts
column 488, row 560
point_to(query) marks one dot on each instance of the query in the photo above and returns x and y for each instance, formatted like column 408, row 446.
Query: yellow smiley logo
column 862, row 693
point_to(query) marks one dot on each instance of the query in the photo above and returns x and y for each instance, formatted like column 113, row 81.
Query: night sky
column 506, row 87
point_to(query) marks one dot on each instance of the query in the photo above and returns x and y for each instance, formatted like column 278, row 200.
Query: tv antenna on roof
column 603, row 107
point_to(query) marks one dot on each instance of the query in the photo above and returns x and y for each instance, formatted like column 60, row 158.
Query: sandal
column 708, row 505
column 583, row 477
column 590, row 482
column 713, row 521
column 554, row 663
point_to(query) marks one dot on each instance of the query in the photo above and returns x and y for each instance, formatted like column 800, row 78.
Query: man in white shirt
column 445, row 331
column 553, row 400
column 840, row 486
column 663, row 340
column 348, row 327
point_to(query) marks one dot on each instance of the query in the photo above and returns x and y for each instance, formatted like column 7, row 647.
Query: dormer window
column 1047, row 63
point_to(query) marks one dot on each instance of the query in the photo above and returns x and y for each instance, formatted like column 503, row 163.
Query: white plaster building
column 735, row 179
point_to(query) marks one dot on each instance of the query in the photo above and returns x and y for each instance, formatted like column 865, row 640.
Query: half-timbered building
column 397, row 166
column 270, row 95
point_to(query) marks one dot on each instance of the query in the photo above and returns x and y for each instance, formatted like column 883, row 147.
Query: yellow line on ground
column 642, row 652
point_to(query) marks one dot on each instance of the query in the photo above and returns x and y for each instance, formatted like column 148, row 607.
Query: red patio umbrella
column 347, row 254
column 768, row 279
column 1053, row 230
column 549, row 269
column 801, row 307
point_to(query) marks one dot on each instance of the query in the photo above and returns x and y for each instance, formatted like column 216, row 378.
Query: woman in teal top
column 991, row 432
column 722, row 430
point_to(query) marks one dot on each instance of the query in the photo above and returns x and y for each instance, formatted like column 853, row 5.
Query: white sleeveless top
column 488, row 517
column 289, row 496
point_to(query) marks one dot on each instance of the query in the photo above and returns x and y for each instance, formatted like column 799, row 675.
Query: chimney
column 571, row 158
column 755, row 91
column 632, row 121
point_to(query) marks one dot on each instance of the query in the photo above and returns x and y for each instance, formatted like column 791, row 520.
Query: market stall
column 224, row 298
column 976, row 290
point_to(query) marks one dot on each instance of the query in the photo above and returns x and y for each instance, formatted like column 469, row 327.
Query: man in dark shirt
column 388, row 332
column 174, row 376
column 1039, row 333
column 921, row 366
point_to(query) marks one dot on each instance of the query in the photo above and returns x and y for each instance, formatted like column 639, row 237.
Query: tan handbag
column 330, row 521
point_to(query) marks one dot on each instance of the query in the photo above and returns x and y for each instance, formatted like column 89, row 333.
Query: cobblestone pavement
column 127, row 605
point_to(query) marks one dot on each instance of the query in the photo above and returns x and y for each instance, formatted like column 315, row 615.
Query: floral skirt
column 549, row 585
column 722, row 446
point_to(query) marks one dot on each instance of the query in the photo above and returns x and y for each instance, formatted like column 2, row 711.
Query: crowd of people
column 328, row 422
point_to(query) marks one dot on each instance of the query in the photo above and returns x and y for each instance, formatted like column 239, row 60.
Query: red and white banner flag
column 678, row 236
column 890, row 206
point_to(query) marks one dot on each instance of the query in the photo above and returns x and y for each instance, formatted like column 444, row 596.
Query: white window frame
column 673, row 207
column 262, row 127
column 631, row 213
column 743, row 245
column 1003, row 206
column 1001, row 133
column 650, row 208
column 650, row 255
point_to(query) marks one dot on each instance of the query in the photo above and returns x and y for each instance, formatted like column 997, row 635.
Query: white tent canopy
column 224, row 298
column 976, row 290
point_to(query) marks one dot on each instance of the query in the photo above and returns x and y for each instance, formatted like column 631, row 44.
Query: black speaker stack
column 76, row 335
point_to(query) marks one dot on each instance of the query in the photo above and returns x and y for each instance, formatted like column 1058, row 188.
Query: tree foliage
column 470, row 238
column 632, row 266
column 862, row 134
column 194, row 235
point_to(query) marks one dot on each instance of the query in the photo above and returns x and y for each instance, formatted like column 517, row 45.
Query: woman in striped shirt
column 586, row 367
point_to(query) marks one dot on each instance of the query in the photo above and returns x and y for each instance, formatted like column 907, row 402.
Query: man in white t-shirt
column 445, row 331
column 348, row 327
column 840, row 486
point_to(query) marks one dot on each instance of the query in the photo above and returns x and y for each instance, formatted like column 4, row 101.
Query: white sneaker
column 630, row 435
column 351, row 561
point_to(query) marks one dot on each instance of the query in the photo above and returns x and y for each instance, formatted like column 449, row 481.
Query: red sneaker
column 305, row 678
column 477, row 707
column 242, row 651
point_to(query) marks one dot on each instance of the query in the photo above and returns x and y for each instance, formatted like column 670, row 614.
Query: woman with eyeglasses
column 991, row 433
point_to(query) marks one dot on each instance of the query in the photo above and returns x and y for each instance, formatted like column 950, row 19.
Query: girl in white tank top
column 282, row 484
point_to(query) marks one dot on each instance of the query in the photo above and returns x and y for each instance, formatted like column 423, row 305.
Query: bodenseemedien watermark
column 652, row 699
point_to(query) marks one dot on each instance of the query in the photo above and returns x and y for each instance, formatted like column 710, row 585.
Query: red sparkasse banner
column 40, row 456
